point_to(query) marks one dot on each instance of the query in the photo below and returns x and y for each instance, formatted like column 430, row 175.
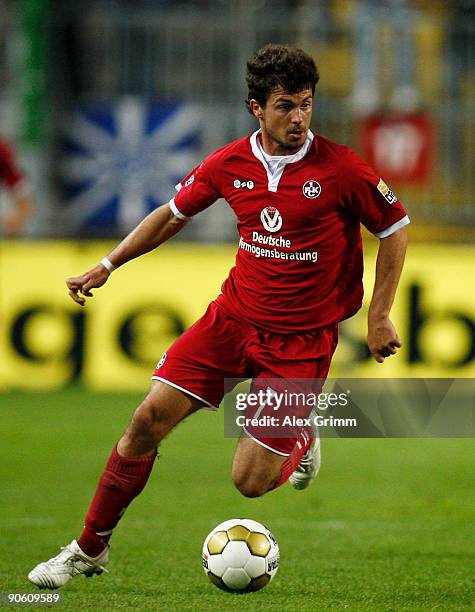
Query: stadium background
column 109, row 103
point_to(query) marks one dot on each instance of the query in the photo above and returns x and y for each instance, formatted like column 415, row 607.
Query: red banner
column 399, row 147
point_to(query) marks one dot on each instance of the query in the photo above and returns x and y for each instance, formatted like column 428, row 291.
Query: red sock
column 290, row 464
column 123, row 479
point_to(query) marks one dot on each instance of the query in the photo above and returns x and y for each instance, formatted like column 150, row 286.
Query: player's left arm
column 383, row 339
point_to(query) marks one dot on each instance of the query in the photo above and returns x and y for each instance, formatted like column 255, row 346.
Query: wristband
column 108, row 265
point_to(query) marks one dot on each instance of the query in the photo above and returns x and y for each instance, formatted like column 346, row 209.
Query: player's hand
column 383, row 340
column 85, row 282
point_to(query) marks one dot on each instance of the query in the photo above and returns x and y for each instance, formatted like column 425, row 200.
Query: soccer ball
column 240, row 555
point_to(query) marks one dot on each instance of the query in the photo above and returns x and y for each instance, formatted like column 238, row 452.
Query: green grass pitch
column 388, row 525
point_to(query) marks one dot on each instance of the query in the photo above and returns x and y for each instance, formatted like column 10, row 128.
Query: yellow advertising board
column 434, row 314
column 113, row 343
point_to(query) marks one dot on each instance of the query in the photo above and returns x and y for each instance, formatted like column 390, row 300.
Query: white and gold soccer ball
column 240, row 555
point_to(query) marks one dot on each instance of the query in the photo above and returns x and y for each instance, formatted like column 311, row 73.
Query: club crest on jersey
column 311, row 189
column 162, row 361
column 387, row 193
column 271, row 219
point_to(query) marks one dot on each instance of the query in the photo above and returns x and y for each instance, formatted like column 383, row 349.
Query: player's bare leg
column 257, row 470
column 124, row 477
column 162, row 409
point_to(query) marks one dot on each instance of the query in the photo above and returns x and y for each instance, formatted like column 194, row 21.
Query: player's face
column 284, row 120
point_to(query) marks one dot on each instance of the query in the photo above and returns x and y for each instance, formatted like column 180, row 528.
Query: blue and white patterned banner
column 121, row 160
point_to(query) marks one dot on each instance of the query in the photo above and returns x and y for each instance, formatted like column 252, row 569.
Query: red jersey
column 10, row 174
column 299, row 264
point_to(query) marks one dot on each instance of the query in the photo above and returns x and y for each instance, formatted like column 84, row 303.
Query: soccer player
column 299, row 200
column 13, row 223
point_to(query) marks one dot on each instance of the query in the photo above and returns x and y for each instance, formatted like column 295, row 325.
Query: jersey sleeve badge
column 386, row 192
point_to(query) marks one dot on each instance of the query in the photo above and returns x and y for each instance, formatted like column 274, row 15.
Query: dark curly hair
column 279, row 66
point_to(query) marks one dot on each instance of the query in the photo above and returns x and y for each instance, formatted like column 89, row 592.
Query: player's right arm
column 196, row 192
column 156, row 228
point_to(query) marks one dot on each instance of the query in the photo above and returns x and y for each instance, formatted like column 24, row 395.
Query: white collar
column 274, row 164
column 287, row 159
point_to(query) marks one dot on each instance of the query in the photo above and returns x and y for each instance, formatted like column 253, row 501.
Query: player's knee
column 153, row 411
column 145, row 424
column 144, row 417
column 250, row 489
column 250, row 486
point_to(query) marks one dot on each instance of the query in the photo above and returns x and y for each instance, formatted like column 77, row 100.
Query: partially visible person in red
column 12, row 177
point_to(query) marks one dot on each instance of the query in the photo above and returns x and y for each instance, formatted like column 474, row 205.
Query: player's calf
column 256, row 469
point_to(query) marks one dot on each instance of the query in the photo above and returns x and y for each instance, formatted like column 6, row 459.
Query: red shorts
column 219, row 347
